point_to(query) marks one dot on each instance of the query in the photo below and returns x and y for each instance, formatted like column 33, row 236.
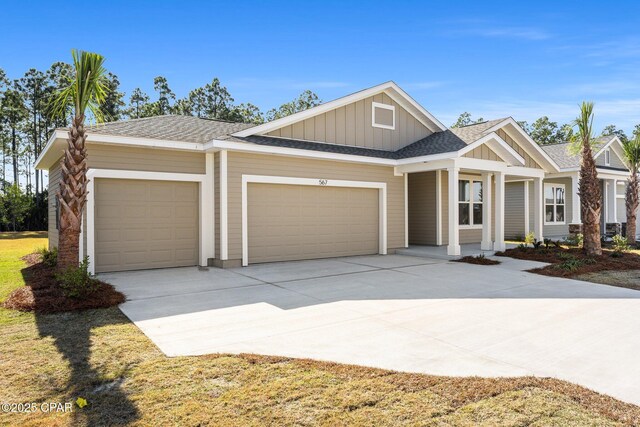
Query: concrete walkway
column 398, row 312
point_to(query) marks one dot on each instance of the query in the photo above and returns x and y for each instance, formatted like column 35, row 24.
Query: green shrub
column 620, row 244
column 76, row 282
column 530, row 238
column 575, row 240
column 49, row 257
column 570, row 263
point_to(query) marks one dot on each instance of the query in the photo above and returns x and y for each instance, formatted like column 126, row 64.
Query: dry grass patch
column 101, row 356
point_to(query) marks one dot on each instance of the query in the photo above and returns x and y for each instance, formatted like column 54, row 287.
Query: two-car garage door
column 142, row 224
column 294, row 222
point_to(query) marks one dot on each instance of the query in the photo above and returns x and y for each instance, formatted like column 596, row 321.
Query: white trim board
column 93, row 174
column 265, row 179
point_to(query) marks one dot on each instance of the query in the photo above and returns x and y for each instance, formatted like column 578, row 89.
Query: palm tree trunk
column 72, row 194
column 632, row 202
column 591, row 202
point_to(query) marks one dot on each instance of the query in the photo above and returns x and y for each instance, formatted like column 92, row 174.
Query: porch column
column 454, row 238
column 612, row 214
column 487, row 243
column 499, row 243
column 538, row 209
column 576, row 214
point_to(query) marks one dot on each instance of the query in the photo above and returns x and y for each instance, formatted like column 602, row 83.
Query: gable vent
column 383, row 116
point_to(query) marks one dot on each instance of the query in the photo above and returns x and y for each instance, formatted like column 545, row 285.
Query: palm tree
column 86, row 90
column 632, row 197
column 589, row 186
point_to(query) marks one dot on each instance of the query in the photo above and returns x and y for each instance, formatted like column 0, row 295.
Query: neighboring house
column 368, row 173
column 561, row 200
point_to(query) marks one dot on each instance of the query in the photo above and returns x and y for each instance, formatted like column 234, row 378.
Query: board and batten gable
column 239, row 164
column 614, row 160
column 529, row 162
column 483, row 152
column 352, row 125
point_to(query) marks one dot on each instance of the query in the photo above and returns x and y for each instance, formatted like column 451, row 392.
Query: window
column 469, row 203
column 554, row 204
column 607, row 157
column 383, row 116
column 57, row 214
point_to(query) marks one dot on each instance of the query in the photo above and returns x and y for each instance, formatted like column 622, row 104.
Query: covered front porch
column 459, row 203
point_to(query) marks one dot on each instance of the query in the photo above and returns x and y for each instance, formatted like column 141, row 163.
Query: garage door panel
column 289, row 222
column 145, row 224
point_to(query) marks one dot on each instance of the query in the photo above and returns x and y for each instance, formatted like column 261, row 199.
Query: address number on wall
column 322, row 182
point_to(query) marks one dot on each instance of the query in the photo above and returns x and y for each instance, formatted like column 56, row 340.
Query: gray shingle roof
column 172, row 128
column 198, row 130
column 560, row 153
column 314, row 146
column 472, row 133
column 447, row 141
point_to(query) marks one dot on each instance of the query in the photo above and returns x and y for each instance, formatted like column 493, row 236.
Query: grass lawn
column 100, row 356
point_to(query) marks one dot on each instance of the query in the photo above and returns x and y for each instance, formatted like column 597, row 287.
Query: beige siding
column 294, row 222
column 244, row 163
column 100, row 156
column 514, row 210
column 55, row 173
column 528, row 160
column 351, row 125
column 422, row 208
column 483, row 152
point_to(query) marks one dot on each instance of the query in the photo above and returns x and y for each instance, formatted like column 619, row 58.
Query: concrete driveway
column 398, row 312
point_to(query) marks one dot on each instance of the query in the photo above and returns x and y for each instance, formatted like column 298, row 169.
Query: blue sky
column 493, row 60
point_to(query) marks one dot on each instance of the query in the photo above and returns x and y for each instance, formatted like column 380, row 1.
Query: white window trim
column 471, row 180
column 206, row 242
column 263, row 179
column 607, row 157
column 545, row 204
column 375, row 105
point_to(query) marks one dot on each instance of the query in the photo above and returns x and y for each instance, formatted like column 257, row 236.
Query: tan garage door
column 145, row 224
column 293, row 222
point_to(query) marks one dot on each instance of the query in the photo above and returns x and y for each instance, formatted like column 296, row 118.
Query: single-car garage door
column 142, row 224
column 294, row 222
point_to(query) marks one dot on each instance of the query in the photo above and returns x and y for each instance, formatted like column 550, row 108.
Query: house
column 612, row 173
column 368, row 173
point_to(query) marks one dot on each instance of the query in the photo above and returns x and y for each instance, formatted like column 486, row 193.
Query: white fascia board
column 538, row 151
column 607, row 145
column 216, row 145
column 498, row 145
column 405, row 98
column 337, row 103
column 57, row 134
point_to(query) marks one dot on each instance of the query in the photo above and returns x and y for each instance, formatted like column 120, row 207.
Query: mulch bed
column 43, row 295
column 478, row 260
column 558, row 257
